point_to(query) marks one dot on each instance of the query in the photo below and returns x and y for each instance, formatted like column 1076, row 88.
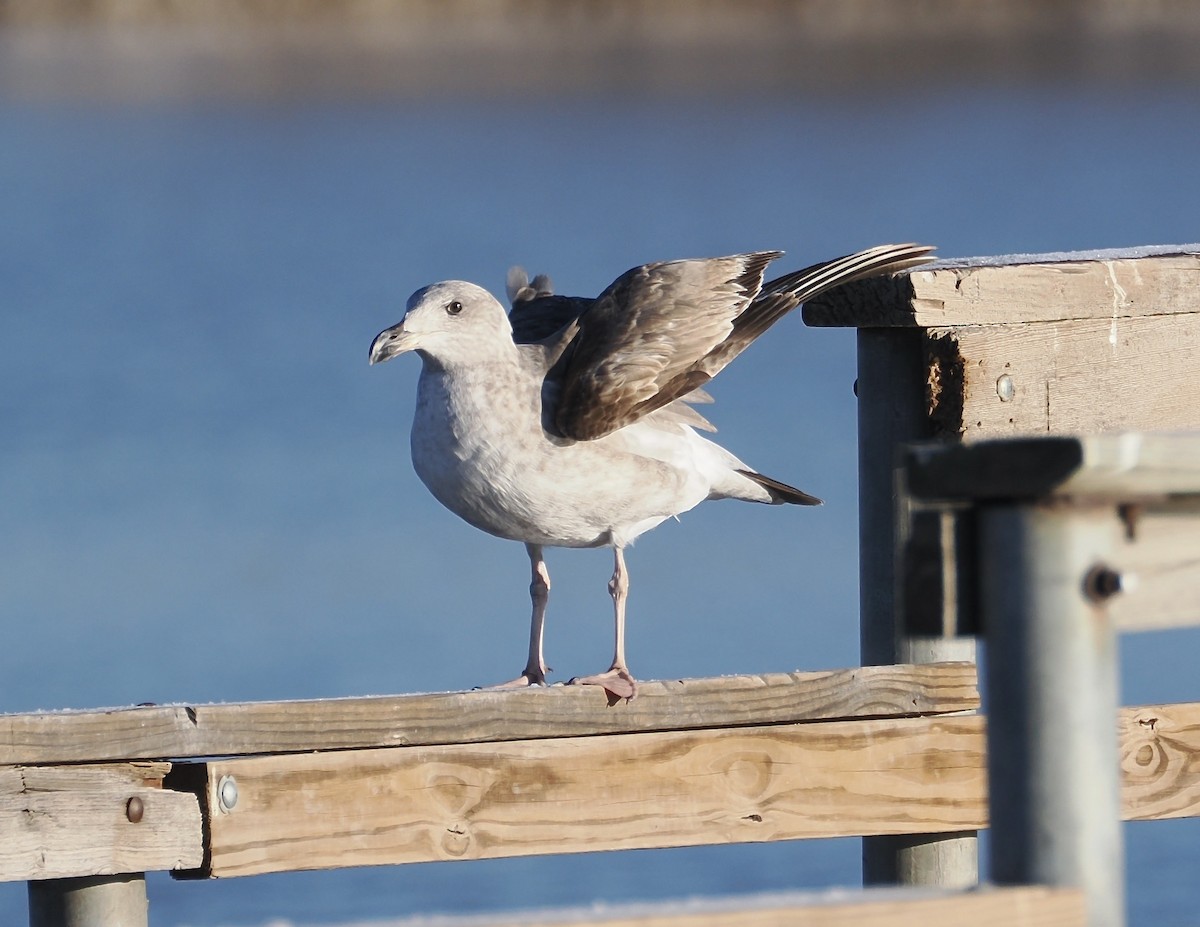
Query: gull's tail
column 780, row 492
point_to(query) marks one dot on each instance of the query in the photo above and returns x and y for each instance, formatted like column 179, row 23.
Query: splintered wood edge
column 69, row 821
column 239, row 729
column 1019, row 288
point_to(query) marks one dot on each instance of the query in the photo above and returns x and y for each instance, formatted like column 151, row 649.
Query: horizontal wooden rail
column 63, row 821
column 782, row 782
column 1034, row 906
column 490, row 715
column 1013, row 289
column 1143, row 491
column 580, row 794
column 744, row 783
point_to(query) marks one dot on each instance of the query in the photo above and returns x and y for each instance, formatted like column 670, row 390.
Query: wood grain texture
column 1088, row 376
column 394, row 805
column 1033, row 906
column 846, row 778
column 180, row 731
column 580, row 794
column 73, row 821
column 1037, row 288
column 1160, row 761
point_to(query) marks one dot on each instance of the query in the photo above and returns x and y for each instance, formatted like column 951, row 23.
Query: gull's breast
column 486, row 457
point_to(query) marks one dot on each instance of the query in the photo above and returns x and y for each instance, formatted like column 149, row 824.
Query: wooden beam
column 582, row 794
column 1155, row 551
column 1160, row 761
column 354, row 808
column 180, row 731
column 1119, row 284
column 69, row 821
column 1079, row 376
column 1034, row 906
column 1113, row 468
column 848, row 778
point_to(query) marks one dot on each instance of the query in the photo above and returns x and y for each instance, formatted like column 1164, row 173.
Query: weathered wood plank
column 1087, row 376
column 581, row 794
column 1160, row 761
column 1155, row 551
column 1032, row 906
column 1021, row 288
column 354, row 808
column 1114, row 467
column 180, row 731
column 847, row 778
column 73, row 821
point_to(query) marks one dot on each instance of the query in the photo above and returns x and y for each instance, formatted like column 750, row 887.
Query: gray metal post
column 891, row 412
column 1053, row 761
column 89, row 901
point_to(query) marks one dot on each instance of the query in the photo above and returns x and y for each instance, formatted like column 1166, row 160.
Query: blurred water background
column 206, row 493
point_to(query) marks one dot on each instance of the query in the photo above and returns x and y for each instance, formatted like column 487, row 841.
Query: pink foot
column 617, row 682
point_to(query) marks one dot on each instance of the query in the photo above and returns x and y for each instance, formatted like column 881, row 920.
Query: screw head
column 1101, row 583
column 134, row 809
column 1005, row 388
column 227, row 793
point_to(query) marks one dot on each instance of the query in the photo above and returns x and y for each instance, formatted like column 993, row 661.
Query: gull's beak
column 390, row 342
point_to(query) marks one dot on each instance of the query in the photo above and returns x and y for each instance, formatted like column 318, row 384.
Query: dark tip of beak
column 385, row 346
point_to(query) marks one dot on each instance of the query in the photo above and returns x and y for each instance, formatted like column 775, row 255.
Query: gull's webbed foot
column 617, row 682
column 531, row 677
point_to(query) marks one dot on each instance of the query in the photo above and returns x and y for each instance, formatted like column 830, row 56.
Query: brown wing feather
column 661, row 331
column 780, row 297
column 649, row 328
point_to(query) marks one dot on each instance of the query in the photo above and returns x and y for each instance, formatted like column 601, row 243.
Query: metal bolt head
column 1101, row 583
column 134, row 809
column 1005, row 388
column 227, row 793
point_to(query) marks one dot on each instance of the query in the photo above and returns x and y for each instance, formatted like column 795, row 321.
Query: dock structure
column 987, row 348
column 999, row 521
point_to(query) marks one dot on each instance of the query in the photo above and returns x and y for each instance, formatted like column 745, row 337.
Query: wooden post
column 89, row 901
column 892, row 412
column 1053, row 760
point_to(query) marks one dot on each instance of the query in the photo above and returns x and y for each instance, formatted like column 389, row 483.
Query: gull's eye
column 454, row 308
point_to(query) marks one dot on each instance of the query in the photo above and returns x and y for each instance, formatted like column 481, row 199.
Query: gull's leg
column 539, row 593
column 617, row 679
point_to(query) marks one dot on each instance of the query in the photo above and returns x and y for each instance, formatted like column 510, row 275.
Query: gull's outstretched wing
column 645, row 332
column 661, row 331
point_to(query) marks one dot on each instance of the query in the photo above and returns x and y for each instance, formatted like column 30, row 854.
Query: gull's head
column 448, row 322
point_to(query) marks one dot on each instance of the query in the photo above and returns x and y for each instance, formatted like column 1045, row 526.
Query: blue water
column 206, row 492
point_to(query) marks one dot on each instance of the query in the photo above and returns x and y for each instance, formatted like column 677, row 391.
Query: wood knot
column 456, row 841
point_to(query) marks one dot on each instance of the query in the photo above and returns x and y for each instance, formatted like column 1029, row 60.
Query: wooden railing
column 893, row 752
column 307, row 785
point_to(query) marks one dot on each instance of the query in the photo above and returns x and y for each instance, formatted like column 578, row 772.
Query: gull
column 571, row 422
